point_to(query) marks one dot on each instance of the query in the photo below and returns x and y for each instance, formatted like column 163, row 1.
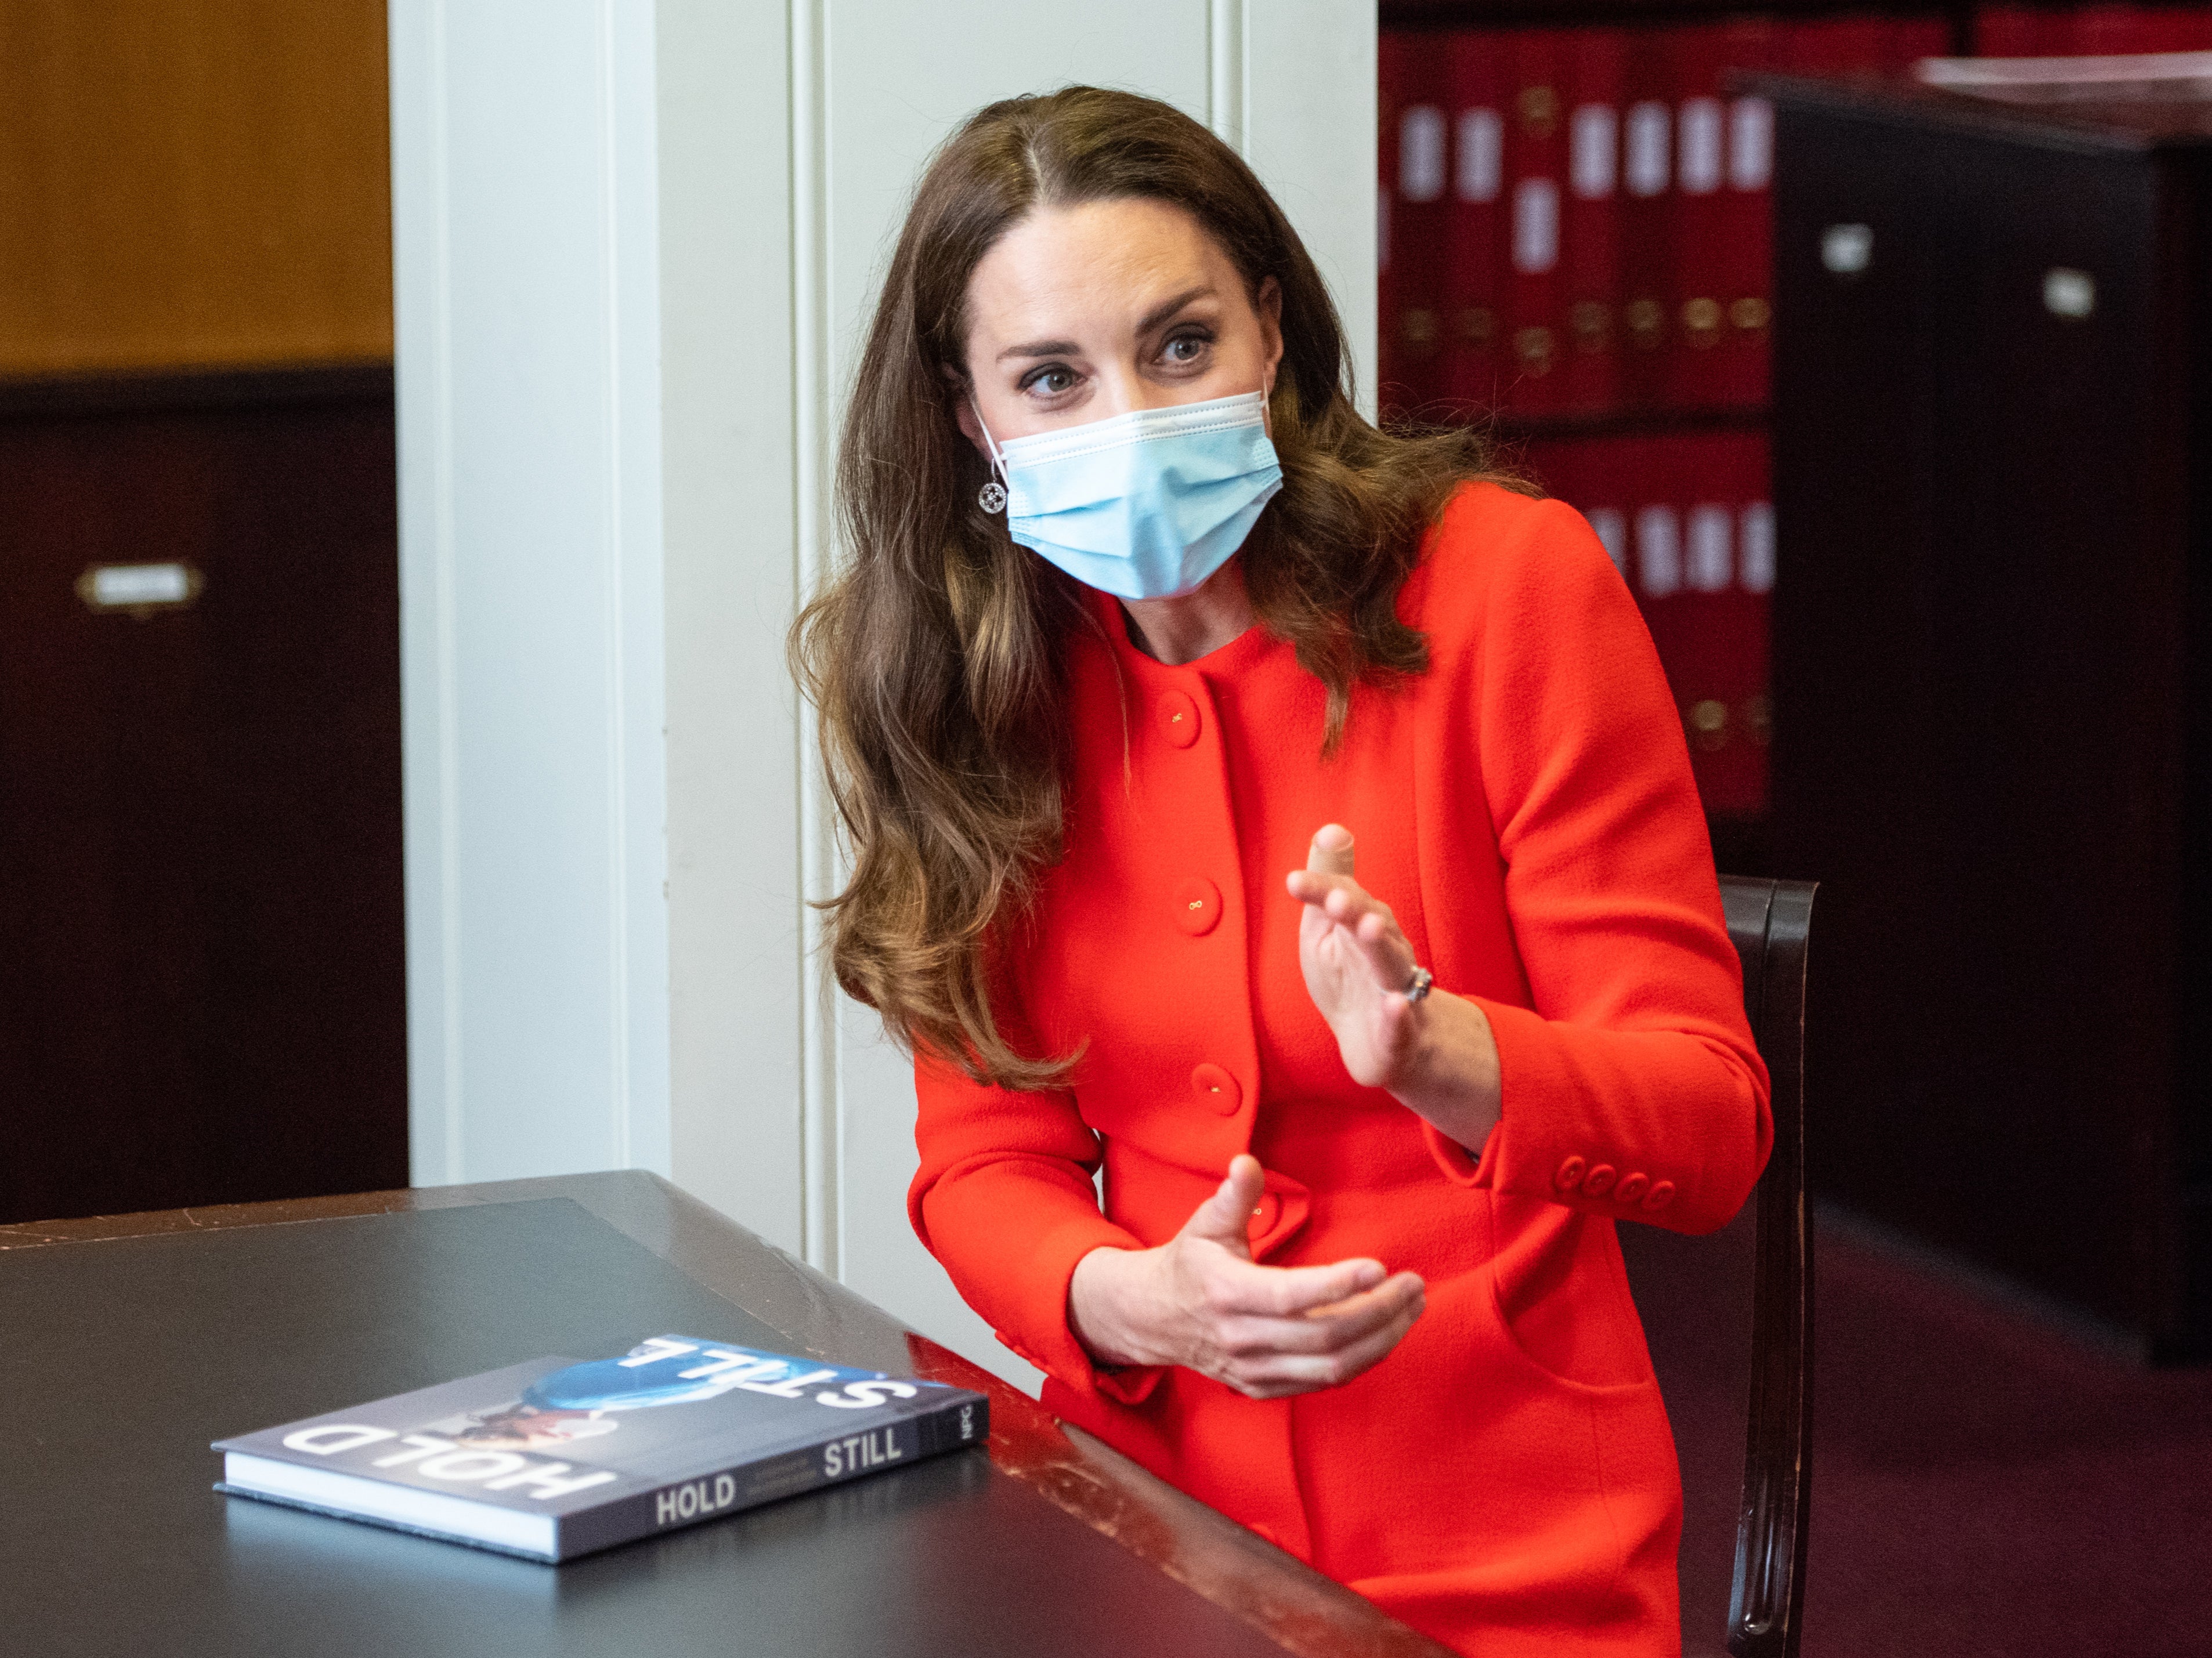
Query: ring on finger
column 1418, row 985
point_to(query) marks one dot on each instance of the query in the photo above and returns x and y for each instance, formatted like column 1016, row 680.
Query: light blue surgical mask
column 1146, row 505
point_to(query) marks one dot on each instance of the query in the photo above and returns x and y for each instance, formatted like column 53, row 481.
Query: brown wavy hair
column 935, row 652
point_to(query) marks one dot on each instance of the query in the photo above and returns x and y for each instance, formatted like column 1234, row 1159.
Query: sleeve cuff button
column 1630, row 1188
column 1599, row 1180
column 1660, row 1195
column 1570, row 1174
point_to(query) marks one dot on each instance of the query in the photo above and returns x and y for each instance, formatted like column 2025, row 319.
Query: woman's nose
column 1124, row 390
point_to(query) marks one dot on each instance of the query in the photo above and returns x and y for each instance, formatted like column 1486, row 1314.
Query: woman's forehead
column 1096, row 266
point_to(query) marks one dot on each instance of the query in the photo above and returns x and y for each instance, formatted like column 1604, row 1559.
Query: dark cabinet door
column 201, row 989
column 1979, row 630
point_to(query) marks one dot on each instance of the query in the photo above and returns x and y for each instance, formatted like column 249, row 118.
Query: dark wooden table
column 86, row 1564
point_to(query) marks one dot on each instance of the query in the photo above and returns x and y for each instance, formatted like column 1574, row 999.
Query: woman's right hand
column 1199, row 1300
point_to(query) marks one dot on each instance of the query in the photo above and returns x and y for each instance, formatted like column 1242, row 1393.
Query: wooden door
column 201, row 989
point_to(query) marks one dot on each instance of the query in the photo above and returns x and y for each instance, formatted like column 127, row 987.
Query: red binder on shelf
column 1719, row 667
column 1476, row 71
column 1912, row 39
column 1688, row 518
column 1415, row 153
column 1697, row 305
column 1644, row 220
column 2016, row 31
column 1744, row 258
column 1535, row 180
column 1389, row 80
column 1589, row 239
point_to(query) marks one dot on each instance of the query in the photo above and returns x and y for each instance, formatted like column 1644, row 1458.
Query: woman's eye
column 1185, row 349
column 1051, row 382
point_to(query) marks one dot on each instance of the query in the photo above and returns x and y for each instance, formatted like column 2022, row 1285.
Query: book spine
column 1745, row 255
column 1645, row 224
column 1535, row 168
column 1473, row 325
column 1590, row 249
column 1416, row 151
column 722, row 1491
column 1697, row 303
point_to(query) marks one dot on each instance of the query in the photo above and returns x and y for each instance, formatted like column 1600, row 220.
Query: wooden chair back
column 1770, row 923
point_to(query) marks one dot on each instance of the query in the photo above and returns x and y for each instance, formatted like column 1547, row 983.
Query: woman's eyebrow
column 1152, row 320
column 1160, row 313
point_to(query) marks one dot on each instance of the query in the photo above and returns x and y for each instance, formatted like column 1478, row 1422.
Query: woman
column 1293, row 818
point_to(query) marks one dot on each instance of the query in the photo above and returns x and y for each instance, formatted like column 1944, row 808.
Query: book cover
column 560, row 1457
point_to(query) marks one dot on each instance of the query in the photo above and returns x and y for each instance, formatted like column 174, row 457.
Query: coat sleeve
column 1004, row 1199
column 1630, row 1084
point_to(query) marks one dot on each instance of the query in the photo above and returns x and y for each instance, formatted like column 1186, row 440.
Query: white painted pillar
column 635, row 244
column 532, row 644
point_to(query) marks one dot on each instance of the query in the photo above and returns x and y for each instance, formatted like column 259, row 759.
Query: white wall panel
column 737, row 928
column 530, row 588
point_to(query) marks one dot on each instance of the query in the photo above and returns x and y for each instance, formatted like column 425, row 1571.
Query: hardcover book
column 560, row 1457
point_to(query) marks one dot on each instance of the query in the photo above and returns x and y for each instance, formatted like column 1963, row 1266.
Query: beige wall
column 193, row 183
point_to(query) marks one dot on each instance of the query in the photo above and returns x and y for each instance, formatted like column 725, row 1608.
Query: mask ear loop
column 992, row 497
column 1266, row 406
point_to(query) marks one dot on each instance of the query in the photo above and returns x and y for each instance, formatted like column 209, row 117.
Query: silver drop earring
column 992, row 497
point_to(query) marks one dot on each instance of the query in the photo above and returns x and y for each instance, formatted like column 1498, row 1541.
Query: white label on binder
column 1421, row 154
column 1535, row 225
column 1711, row 565
column 1659, row 551
column 1610, row 526
column 1699, row 159
column 1756, row 565
column 1751, row 143
column 1481, row 154
column 1648, row 132
column 1593, row 147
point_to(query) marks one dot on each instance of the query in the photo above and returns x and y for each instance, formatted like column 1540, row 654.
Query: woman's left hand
column 1437, row 1055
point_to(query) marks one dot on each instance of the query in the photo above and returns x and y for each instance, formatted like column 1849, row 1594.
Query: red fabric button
column 1630, row 1188
column 1599, row 1180
column 1178, row 718
column 1570, row 1174
column 1197, row 906
column 1660, row 1195
column 1263, row 1218
column 1217, row 1089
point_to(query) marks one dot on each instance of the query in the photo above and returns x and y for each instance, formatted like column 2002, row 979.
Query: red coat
column 1505, row 1479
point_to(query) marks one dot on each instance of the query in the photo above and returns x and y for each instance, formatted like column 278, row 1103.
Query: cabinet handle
column 139, row 591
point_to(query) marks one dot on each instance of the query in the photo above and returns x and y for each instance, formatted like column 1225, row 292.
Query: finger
column 1282, row 1374
column 1288, row 1291
column 1371, row 927
column 1384, row 948
column 1327, row 1330
column 1225, row 1217
column 1317, row 886
column 1343, row 900
column 1330, row 852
